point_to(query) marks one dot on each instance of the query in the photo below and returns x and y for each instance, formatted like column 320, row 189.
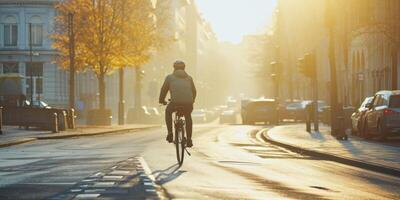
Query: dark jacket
column 181, row 87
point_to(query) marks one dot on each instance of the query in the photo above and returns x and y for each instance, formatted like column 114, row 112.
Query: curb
column 335, row 158
column 17, row 141
column 53, row 137
column 119, row 131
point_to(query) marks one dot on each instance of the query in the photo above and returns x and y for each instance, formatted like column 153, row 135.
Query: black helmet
column 179, row 65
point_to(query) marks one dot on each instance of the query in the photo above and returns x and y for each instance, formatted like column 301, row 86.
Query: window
column 376, row 100
column 35, row 68
column 10, row 68
column 37, row 34
column 380, row 100
column 39, row 86
column 36, row 31
column 10, row 31
column 395, row 101
column 34, row 85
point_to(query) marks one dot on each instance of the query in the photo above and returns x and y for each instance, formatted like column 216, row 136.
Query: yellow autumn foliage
column 109, row 34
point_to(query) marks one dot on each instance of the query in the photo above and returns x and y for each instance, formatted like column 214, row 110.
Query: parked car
column 218, row 109
column 261, row 110
column 210, row 115
column 321, row 106
column 227, row 116
column 155, row 115
column 294, row 110
column 199, row 116
column 36, row 104
column 382, row 118
column 357, row 118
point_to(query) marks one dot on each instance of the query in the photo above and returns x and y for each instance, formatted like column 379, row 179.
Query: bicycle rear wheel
column 179, row 145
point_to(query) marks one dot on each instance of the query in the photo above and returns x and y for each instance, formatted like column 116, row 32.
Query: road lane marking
column 104, row 184
column 151, row 190
column 113, row 177
column 120, row 172
column 146, row 168
column 96, row 175
column 109, row 181
column 86, row 196
column 88, row 180
column 95, row 190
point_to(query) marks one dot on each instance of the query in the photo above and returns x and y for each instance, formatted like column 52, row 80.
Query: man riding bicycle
column 183, row 94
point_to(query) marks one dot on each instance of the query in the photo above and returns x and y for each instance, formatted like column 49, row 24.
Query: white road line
column 113, row 177
column 146, row 168
column 148, row 183
column 120, row 172
column 88, row 180
column 96, row 175
column 95, row 191
column 104, row 184
column 151, row 190
column 150, row 180
column 86, row 196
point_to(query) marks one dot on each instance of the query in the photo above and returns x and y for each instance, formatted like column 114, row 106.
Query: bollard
column 1, row 120
column 340, row 132
column 308, row 118
column 308, row 124
column 62, row 120
column 54, row 125
column 71, row 118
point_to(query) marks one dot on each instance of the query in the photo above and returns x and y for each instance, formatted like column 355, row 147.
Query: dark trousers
column 187, row 112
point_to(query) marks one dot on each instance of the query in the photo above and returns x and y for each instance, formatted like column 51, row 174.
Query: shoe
column 189, row 143
column 170, row 138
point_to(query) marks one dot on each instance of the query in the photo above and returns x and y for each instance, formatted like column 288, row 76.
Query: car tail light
column 389, row 112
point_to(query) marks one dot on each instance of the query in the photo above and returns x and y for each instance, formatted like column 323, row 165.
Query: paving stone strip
column 128, row 179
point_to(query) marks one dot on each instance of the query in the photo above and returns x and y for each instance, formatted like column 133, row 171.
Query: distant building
column 375, row 26
column 189, row 35
column 364, row 49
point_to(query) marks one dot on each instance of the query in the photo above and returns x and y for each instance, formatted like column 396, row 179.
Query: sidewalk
column 322, row 142
column 12, row 135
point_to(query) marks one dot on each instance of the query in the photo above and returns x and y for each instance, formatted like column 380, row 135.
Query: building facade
column 41, row 77
column 188, row 36
column 366, row 35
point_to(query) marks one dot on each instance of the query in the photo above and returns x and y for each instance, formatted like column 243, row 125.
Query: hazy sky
column 231, row 19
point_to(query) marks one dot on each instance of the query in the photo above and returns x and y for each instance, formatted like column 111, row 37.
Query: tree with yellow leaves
column 109, row 34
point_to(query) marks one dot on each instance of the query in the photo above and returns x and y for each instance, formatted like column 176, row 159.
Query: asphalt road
column 227, row 162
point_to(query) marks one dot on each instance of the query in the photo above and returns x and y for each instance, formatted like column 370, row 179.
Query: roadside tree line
column 105, row 35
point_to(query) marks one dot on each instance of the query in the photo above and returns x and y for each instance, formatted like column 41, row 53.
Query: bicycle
column 179, row 136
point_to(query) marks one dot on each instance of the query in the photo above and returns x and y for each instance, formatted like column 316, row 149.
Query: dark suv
column 383, row 116
column 261, row 110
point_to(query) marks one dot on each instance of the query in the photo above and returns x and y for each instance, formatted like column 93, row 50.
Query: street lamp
column 276, row 67
column 31, row 64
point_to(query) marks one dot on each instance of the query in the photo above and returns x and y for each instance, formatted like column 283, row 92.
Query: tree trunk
column 71, row 61
column 395, row 54
column 102, row 91
column 333, row 77
column 138, row 91
column 121, row 105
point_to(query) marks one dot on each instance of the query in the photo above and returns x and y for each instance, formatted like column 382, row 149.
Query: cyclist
column 183, row 93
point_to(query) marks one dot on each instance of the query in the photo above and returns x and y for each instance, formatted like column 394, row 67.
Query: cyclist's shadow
column 168, row 174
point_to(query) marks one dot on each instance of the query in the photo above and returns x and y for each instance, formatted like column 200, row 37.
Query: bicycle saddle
column 179, row 110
